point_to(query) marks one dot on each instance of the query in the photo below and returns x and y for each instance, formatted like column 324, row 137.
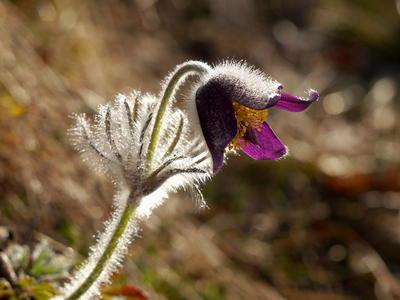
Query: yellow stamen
column 246, row 117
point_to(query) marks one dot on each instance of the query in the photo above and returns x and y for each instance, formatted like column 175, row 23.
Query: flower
column 232, row 104
column 145, row 144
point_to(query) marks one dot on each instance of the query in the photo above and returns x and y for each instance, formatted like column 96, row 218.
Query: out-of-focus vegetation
column 27, row 274
column 320, row 224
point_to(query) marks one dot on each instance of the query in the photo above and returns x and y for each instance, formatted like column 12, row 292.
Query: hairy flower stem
column 108, row 251
column 173, row 83
column 113, row 135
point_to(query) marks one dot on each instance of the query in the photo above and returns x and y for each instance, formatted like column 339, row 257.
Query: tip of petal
column 294, row 104
column 313, row 95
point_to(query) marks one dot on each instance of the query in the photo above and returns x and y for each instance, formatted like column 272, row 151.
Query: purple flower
column 232, row 104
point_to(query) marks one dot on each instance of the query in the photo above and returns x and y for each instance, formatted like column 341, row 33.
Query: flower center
column 246, row 117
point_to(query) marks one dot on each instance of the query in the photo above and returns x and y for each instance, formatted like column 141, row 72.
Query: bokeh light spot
column 337, row 253
column 333, row 104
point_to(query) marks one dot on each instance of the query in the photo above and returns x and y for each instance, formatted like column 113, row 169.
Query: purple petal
column 217, row 157
column 251, row 135
column 270, row 147
column 240, row 91
column 294, row 104
column 274, row 100
column 217, row 120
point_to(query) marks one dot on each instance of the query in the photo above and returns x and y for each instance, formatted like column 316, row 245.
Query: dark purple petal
column 294, row 104
column 217, row 120
column 270, row 147
column 217, row 156
column 236, row 90
column 274, row 100
column 251, row 135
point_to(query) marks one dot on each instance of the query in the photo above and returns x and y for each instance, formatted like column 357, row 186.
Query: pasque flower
column 147, row 145
column 232, row 104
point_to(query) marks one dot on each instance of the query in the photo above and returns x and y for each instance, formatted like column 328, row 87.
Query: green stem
column 112, row 245
column 175, row 80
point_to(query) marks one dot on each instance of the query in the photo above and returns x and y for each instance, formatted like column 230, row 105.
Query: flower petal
column 270, row 147
column 245, row 85
column 217, row 120
column 251, row 135
column 294, row 104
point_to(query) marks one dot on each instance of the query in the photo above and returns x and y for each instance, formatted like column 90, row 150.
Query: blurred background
column 321, row 224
